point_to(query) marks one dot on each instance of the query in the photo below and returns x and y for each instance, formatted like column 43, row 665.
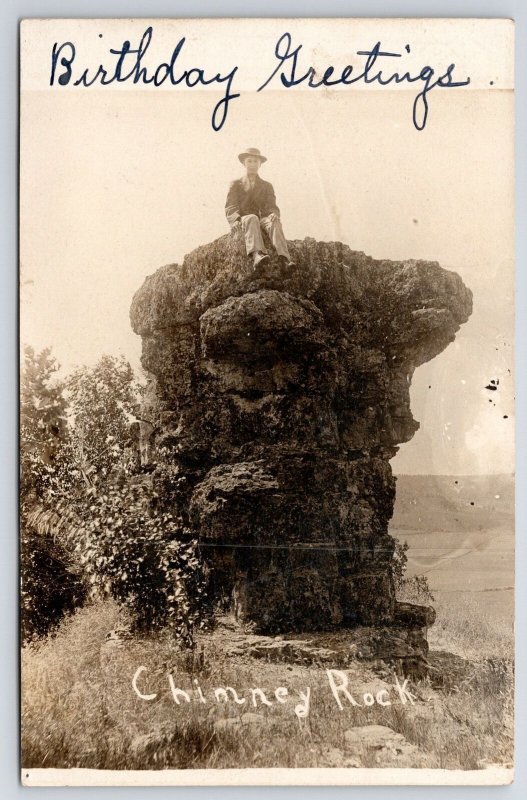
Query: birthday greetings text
column 124, row 64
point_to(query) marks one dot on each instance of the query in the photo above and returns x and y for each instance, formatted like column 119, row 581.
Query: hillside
column 460, row 531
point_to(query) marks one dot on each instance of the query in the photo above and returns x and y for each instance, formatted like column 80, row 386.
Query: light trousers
column 253, row 234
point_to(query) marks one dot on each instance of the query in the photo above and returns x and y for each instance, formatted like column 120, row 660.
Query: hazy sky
column 117, row 184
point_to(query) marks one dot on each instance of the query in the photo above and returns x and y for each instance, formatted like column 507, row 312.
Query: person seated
column 251, row 206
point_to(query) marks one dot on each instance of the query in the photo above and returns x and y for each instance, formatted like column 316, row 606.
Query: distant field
column 460, row 531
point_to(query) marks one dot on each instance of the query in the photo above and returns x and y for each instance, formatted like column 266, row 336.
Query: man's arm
column 270, row 201
column 232, row 207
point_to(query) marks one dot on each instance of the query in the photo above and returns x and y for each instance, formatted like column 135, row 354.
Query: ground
column 79, row 708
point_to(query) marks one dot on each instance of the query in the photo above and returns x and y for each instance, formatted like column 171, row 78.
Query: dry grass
column 79, row 709
column 463, row 627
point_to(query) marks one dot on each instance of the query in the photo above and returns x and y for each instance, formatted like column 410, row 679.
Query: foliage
column 412, row 589
column 82, row 514
column 103, row 402
column 399, row 561
column 142, row 558
column 88, row 520
column 42, row 404
column 50, row 585
column 43, row 425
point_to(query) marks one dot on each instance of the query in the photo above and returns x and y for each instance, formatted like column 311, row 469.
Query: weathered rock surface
column 385, row 743
column 279, row 399
column 405, row 650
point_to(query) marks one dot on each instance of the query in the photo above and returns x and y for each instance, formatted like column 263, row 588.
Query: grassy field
column 79, row 708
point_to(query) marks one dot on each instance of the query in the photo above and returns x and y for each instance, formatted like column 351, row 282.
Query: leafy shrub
column 147, row 561
column 50, row 583
column 413, row 589
column 103, row 404
column 51, row 587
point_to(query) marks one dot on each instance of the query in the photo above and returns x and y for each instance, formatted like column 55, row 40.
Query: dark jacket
column 242, row 200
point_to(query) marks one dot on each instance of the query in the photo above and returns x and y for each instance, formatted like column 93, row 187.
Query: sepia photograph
column 266, row 401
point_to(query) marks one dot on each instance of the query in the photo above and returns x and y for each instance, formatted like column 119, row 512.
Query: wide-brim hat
column 251, row 151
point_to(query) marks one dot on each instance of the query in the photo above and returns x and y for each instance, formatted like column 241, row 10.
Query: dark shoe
column 287, row 262
column 260, row 258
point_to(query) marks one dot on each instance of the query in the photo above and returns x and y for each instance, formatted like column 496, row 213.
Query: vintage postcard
column 267, row 414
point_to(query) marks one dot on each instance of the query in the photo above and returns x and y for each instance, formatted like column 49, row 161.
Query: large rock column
column 280, row 398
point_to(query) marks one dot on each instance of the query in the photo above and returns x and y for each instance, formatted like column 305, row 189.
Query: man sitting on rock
column 251, row 203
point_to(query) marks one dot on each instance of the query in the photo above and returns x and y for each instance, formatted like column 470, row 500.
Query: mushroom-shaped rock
column 281, row 397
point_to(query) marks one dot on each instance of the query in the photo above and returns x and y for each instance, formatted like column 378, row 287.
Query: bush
column 415, row 589
column 147, row 561
column 51, row 586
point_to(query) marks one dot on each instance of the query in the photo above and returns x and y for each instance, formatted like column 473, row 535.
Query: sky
column 116, row 184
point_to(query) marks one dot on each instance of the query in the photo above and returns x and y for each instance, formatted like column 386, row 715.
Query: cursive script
column 287, row 57
column 126, row 65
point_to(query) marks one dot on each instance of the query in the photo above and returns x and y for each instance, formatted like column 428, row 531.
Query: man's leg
column 253, row 235
column 276, row 234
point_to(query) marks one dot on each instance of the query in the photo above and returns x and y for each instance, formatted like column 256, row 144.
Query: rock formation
column 279, row 399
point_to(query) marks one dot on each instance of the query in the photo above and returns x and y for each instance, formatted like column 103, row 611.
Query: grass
column 464, row 627
column 79, row 708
